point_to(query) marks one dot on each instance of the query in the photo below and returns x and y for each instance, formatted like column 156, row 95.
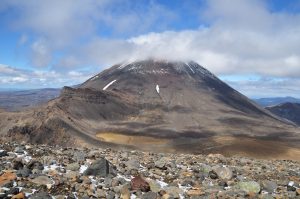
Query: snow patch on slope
column 165, row 67
column 109, row 84
column 190, row 67
column 157, row 88
column 123, row 65
column 93, row 78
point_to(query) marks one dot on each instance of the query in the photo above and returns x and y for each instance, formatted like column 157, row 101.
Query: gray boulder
column 101, row 168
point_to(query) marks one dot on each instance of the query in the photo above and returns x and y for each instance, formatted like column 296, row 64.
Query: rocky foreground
column 40, row 171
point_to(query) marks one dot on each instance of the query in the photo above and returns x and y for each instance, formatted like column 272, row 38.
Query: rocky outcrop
column 85, row 103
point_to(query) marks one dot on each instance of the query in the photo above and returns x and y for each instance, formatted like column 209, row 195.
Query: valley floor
column 42, row 171
column 228, row 145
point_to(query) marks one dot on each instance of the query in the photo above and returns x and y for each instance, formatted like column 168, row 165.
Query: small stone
column 17, row 164
column 110, row 195
column 19, row 196
column 291, row 186
column 85, row 196
column 13, row 191
column 291, row 194
column 223, row 184
column 223, row 173
column 134, row 172
column 3, row 195
column 125, row 194
column 154, row 186
column 167, row 196
column 108, row 182
column 34, row 164
column 40, row 195
column 100, row 168
column 59, row 197
column 213, row 175
column 36, row 171
column 205, row 168
column 174, row 191
column 19, row 150
column 133, row 164
column 89, row 192
column 249, row 187
column 138, row 183
column 115, row 182
column 266, row 196
column 117, row 189
column 7, row 179
column 49, row 186
column 3, row 153
column 79, row 156
column 216, row 156
column 162, row 192
column 282, row 182
column 93, row 154
column 42, row 180
column 72, row 175
column 73, row 166
column 161, row 163
column 150, row 195
column 25, row 172
column 100, row 193
column 269, row 186
column 195, row 192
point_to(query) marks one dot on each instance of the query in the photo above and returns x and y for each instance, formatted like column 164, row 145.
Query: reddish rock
column 7, row 177
column 19, row 196
column 138, row 183
column 298, row 191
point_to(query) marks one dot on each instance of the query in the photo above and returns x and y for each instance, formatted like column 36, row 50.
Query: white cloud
column 62, row 26
column 292, row 61
column 13, row 77
column 243, row 36
column 19, row 79
column 12, row 80
column 245, row 14
column 23, row 39
column 240, row 37
column 4, row 69
column 267, row 87
column 75, row 74
column 221, row 51
column 41, row 53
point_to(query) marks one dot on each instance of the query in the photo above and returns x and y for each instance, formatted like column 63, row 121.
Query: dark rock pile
column 42, row 172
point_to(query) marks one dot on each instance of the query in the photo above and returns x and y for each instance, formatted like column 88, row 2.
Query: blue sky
column 253, row 45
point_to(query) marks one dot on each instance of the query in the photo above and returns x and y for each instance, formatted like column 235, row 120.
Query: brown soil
column 130, row 140
column 226, row 145
column 257, row 148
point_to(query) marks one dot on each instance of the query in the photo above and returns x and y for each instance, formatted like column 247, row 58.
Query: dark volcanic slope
column 176, row 93
column 174, row 106
column 290, row 111
column 170, row 84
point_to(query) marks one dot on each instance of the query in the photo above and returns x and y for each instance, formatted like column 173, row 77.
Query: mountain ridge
column 174, row 106
column 272, row 101
column 289, row 111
